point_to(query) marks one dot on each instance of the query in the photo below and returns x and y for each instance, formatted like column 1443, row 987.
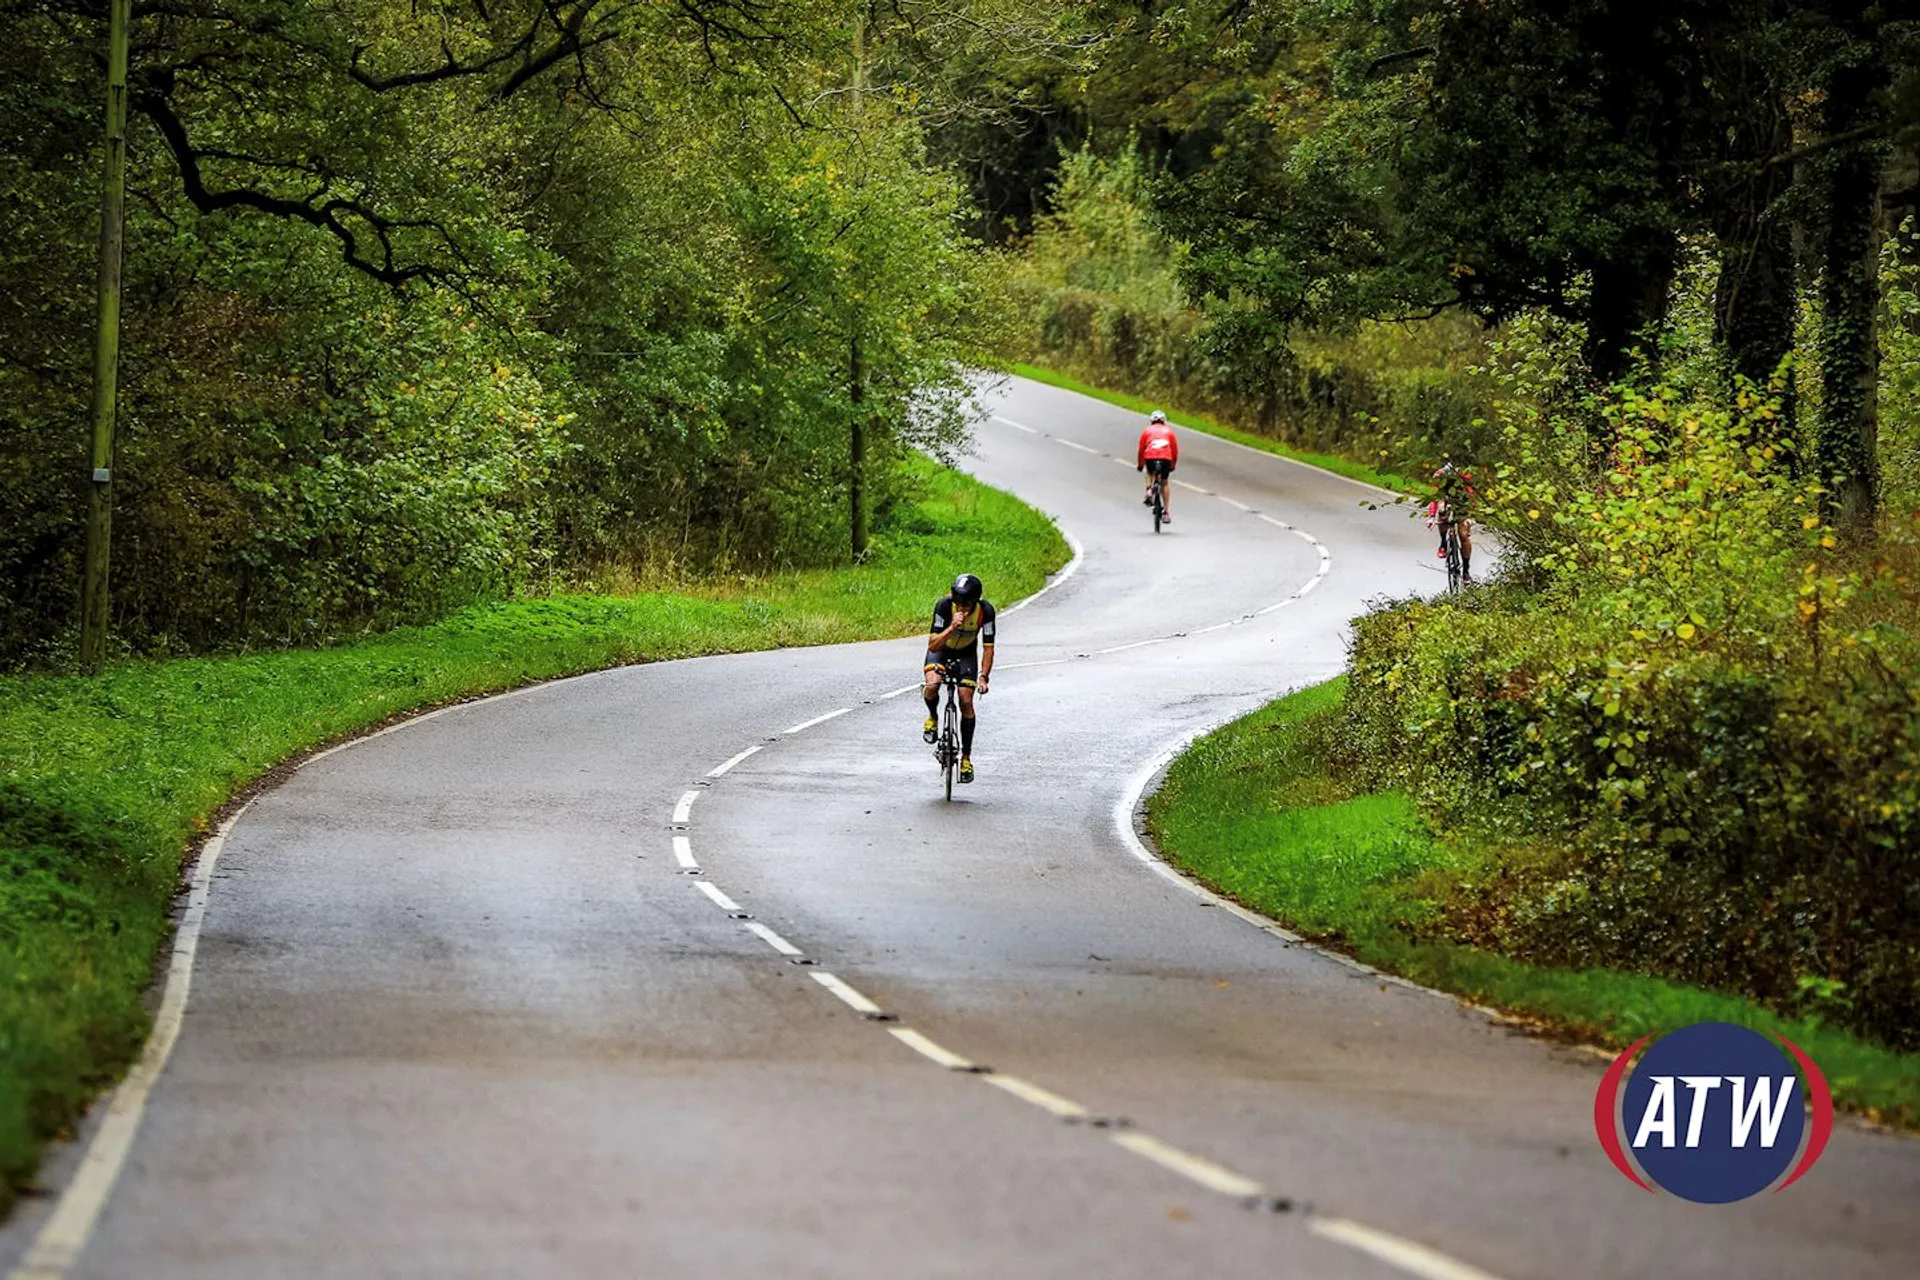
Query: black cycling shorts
column 1159, row 466
column 963, row 663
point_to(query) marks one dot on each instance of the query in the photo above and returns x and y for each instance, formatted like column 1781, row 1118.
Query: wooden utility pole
column 856, row 370
column 106, row 344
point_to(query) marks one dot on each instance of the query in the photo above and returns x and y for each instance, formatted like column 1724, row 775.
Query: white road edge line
column 1017, row 426
column 721, row 768
column 1203, row 1171
column 848, row 996
column 720, row 899
column 1409, row 1256
column 928, row 1049
column 64, row 1234
column 1045, row 1099
column 808, row 724
column 772, row 939
column 683, row 852
column 1067, row 570
column 683, row 811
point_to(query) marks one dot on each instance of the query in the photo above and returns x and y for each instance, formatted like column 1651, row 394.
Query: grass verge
column 1214, row 427
column 104, row 781
column 1251, row 810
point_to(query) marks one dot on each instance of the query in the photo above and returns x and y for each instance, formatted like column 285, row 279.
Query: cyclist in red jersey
column 1158, row 455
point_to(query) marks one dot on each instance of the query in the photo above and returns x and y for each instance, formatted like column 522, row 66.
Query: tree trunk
column 1629, row 298
column 95, row 600
column 1848, row 446
column 857, row 452
column 1756, row 298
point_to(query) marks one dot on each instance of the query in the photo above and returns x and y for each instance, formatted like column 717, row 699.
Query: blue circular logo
column 1713, row 1112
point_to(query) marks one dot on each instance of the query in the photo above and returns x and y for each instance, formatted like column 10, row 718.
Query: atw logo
column 1713, row 1113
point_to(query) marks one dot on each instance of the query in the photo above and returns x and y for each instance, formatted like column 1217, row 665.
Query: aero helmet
column 967, row 589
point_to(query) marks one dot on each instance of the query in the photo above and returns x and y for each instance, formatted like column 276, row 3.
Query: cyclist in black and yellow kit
column 961, row 642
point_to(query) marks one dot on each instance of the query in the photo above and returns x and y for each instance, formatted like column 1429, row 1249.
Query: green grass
column 1213, row 427
column 1252, row 811
column 105, row 780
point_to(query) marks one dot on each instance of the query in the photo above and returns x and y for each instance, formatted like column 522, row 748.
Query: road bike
column 946, row 747
column 1159, row 502
column 1456, row 561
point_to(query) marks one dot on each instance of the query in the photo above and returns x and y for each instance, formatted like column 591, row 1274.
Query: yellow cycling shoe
column 966, row 769
column 928, row 730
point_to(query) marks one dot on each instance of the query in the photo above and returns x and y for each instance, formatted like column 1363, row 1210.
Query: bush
column 1707, row 713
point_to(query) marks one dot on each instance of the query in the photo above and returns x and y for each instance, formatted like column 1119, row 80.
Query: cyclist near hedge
column 1157, row 455
column 961, row 639
column 1452, row 504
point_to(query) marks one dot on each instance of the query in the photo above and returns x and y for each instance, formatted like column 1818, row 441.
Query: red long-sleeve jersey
column 1158, row 441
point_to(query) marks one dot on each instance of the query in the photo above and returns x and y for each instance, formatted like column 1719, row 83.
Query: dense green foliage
column 1096, row 293
column 1696, row 726
column 107, row 777
column 428, row 304
column 1270, row 811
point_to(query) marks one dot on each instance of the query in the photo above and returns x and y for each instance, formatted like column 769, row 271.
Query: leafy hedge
column 1698, row 736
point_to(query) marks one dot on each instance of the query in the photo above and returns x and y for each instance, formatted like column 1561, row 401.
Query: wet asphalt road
column 459, row 1010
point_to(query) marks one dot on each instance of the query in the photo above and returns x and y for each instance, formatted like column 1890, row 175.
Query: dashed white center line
column 1404, row 1254
column 848, row 996
column 683, row 852
column 1232, row 503
column 772, row 939
column 1123, row 462
column 927, row 1048
column 683, row 811
column 1075, row 444
column 719, row 769
column 1196, row 488
column 1278, row 524
column 1137, row 644
column 1201, row 1170
column 1017, row 426
column 1278, row 604
column 1045, row 1099
column 905, row 688
column 720, row 899
column 1311, row 583
column 808, row 724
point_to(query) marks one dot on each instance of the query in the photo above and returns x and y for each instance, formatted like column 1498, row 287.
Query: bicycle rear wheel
column 1159, row 503
column 1453, row 560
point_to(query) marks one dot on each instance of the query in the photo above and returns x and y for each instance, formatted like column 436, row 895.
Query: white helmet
column 1157, row 416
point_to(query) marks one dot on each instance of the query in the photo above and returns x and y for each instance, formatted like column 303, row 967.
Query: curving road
column 463, row 1005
